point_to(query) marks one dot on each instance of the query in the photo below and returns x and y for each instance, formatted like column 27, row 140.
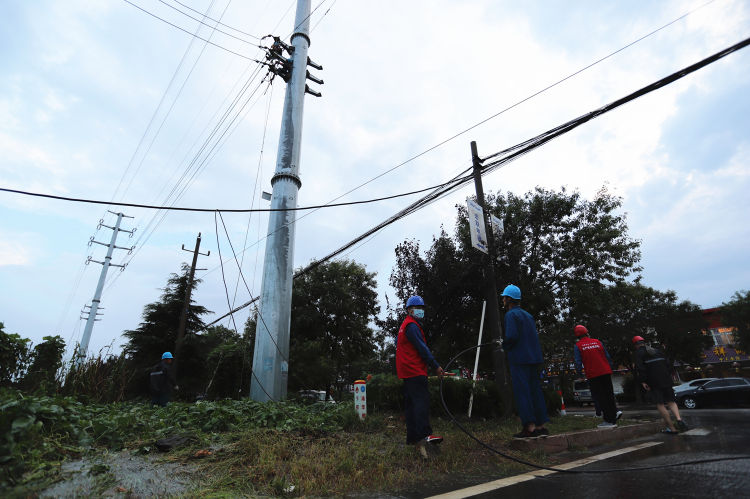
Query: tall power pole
column 183, row 316
column 106, row 264
column 490, row 286
column 270, row 358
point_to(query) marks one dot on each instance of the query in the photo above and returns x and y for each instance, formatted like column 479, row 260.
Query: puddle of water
column 121, row 473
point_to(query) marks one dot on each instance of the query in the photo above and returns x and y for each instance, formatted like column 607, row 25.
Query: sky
column 102, row 100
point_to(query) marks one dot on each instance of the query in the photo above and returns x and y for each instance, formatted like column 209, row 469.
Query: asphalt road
column 720, row 432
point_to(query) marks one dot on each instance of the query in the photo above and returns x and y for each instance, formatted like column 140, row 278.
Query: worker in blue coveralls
column 412, row 359
column 521, row 343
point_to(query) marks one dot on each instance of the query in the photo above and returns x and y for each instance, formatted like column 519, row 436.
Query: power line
column 195, row 35
column 210, row 19
column 516, row 152
column 518, row 103
column 324, row 14
column 222, row 210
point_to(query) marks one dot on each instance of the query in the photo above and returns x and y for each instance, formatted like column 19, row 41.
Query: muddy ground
column 123, row 474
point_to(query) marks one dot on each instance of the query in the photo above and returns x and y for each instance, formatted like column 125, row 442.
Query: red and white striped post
column 562, row 402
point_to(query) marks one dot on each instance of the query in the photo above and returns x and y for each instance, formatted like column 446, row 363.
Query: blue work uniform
column 524, row 358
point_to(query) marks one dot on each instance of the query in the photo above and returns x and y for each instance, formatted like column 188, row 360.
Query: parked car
column 691, row 384
column 316, row 396
column 582, row 392
column 725, row 391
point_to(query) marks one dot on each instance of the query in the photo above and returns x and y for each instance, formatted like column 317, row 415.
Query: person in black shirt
column 162, row 381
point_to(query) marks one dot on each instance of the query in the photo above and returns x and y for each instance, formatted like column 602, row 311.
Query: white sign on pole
column 497, row 225
column 476, row 226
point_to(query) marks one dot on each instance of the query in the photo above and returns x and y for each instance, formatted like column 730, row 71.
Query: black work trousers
column 602, row 392
column 417, row 409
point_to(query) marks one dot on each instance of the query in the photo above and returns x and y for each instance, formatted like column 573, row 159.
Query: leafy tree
column 736, row 313
column 228, row 364
column 556, row 246
column 614, row 314
column 47, row 361
column 15, row 356
column 158, row 333
column 333, row 307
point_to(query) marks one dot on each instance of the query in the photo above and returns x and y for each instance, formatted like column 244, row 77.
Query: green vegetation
column 249, row 447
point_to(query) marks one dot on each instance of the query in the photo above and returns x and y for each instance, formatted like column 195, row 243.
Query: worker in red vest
column 412, row 359
column 591, row 357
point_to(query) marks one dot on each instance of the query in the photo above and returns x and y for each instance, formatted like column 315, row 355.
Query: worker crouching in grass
column 412, row 359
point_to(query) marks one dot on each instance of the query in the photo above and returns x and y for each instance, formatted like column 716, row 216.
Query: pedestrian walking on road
column 412, row 359
column 521, row 342
column 652, row 371
column 593, row 359
column 162, row 381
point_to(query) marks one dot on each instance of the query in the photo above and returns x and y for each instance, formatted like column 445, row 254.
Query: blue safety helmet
column 166, row 355
column 512, row 291
column 415, row 301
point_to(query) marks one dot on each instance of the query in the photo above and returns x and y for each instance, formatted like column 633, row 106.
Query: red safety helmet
column 636, row 339
column 580, row 330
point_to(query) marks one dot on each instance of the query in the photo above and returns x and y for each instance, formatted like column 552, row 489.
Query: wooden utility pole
column 183, row 316
column 490, row 290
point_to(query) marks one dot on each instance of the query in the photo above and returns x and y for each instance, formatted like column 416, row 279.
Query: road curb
column 586, row 438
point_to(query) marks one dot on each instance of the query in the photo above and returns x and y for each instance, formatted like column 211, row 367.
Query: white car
column 691, row 384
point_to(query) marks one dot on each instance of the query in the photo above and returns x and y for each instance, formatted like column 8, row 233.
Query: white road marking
column 506, row 482
column 698, row 432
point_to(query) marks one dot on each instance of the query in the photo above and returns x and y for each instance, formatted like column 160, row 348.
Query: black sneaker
column 433, row 439
column 525, row 434
column 541, row 432
column 682, row 426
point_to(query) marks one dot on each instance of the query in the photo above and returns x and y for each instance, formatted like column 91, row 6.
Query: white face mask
column 419, row 313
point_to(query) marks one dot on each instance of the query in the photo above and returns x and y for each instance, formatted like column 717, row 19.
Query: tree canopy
column 158, row 334
column 574, row 262
column 332, row 339
column 736, row 313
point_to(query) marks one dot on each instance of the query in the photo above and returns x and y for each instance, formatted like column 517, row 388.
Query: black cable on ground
column 549, row 468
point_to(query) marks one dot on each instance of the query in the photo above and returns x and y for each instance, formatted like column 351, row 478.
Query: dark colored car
column 725, row 391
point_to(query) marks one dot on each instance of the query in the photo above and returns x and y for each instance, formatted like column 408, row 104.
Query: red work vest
column 408, row 362
column 593, row 357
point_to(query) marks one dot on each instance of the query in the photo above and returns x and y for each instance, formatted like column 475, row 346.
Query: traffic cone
column 562, row 402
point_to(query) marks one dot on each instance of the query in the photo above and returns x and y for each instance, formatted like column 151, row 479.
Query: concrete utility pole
column 270, row 359
column 186, row 305
column 106, row 264
column 490, row 288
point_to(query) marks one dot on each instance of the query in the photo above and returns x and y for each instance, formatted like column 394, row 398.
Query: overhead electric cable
column 324, row 14
column 194, row 35
column 517, row 152
column 214, row 27
column 231, row 313
column 525, row 99
column 224, row 210
column 217, row 21
column 169, row 111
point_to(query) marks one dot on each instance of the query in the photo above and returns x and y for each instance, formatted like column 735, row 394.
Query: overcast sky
column 100, row 100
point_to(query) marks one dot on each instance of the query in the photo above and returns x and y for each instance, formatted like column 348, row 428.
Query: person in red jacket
column 591, row 356
column 412, row 359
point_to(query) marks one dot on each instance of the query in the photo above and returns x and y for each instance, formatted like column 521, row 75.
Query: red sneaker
column 433, row 439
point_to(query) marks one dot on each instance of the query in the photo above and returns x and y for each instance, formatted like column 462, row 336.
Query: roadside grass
column 369, row 457
column 248, row 448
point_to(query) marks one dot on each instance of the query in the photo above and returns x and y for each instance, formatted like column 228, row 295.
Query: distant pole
column 183, row 316
column 490, row 288
column 106, row 264
column 270, row 358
